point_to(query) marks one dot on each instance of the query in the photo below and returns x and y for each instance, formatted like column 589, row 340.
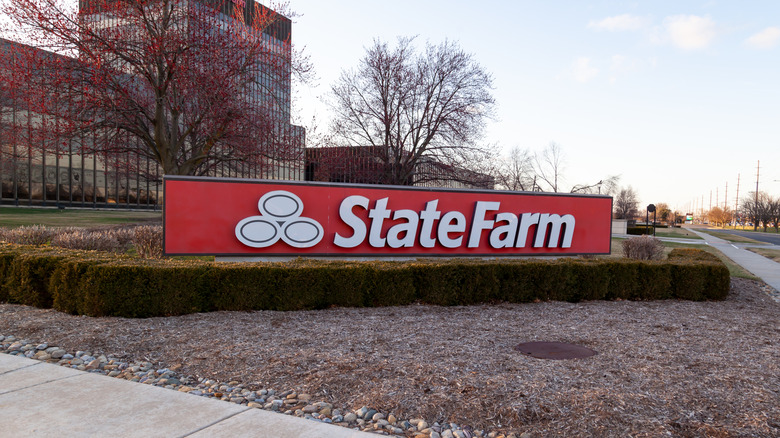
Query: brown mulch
column 663, row 367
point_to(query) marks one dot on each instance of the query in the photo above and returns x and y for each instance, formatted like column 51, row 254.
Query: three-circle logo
column 280, row 218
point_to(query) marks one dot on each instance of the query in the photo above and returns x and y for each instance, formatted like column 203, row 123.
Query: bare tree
column 516, row 172
column 759, row 209
column 407, row 107
column 625, row 204
column 523, row 170
column 774, row 212
column 606, row 186
column 549, row 166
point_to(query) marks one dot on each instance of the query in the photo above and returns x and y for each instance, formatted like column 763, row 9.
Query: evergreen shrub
column 97, row 284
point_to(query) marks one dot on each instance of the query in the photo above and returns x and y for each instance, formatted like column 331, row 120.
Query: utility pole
column 755, row 207
column 725, row 200
column 736, row 205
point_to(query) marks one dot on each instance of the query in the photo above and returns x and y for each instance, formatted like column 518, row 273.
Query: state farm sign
column 231, row 217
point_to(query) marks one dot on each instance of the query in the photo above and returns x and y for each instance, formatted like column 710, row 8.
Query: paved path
column 43, row 400
column 666, row 239
column 771, row 238
column 760, row 266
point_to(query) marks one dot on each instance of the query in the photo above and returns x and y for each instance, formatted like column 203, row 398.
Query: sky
column 679, row 98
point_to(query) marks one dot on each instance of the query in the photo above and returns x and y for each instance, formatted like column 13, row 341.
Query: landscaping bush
column 124, row 234
column 107, row 238
column 643, row 248
column 89, row 240
column 97, row 283
column 27, row 280
column 137, row 290
column 148, row 241
column 455, row 283
column 27, row 235
column 639, row 231
column 696, row 271
column 8, row 254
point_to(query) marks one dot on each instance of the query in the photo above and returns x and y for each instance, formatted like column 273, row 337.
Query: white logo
column 279, row 218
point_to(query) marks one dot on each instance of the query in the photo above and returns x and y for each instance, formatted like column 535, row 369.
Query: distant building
column 362, row 165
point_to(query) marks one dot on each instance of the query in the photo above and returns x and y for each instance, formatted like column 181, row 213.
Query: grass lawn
column 18, row 216
column 681, row 233
column 772, row 254
column 769, row 230
column 734, row 269
column 730, row 237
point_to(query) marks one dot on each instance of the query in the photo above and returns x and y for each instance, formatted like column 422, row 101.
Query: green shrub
column 639, row 230
column 8, row 253
column 455, row 283
column 513, row 285
column 28, row 279
column 698, row 275
column 390, row 286
column 67, row 295
column 591, row 281
column 93, row 283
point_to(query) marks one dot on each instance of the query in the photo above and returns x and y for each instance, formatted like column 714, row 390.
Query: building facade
column 43, row 163
column 365, row 165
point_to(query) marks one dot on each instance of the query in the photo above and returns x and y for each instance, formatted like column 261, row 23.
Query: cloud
column 621, row 66
column 621, row 63
column 618, row 23
column 583, row 71
column 766, row 39
column 690, row 32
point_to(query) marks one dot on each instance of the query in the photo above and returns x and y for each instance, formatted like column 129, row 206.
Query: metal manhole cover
column 554, row 350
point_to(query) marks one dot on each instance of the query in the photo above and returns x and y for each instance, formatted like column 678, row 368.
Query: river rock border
column 289, row 402
column 772, row 292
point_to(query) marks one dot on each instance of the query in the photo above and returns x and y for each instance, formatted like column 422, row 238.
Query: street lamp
column 650, row 209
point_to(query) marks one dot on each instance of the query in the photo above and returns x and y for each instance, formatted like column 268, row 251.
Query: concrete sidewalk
column 664, row 239
column 760, row 266
column 39, row 399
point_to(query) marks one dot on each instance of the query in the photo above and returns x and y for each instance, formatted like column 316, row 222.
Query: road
column 771, row 238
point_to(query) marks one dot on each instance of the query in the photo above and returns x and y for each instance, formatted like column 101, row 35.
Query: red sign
column 239, row 217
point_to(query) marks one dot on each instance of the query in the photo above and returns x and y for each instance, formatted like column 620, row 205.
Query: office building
column 44, row 163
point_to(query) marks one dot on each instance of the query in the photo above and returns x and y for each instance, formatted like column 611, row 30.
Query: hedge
column 98, row 284
column 639, row 230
